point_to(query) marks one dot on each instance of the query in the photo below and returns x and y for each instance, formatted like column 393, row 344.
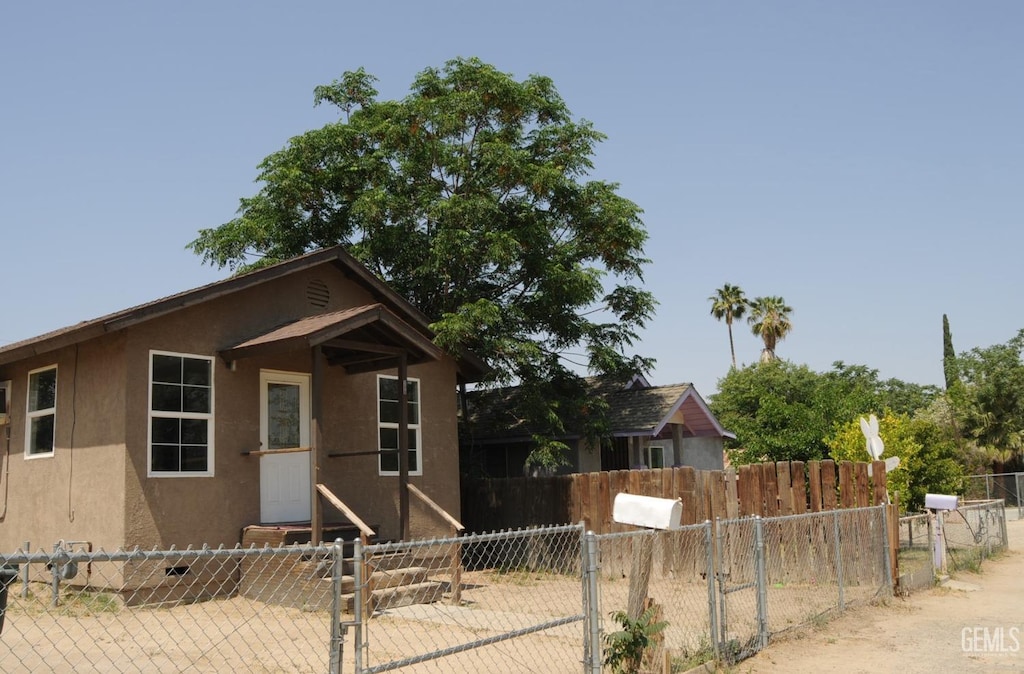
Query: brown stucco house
column 184, row 420
column 648, row 427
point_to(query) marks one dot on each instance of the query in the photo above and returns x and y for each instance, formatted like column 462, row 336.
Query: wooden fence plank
column 828, row 485
column 716, row 480
column 745, row 489
column 847, row 487
column 770, row 489
column 814, row 486
column 782, row 477
column 732, row 504
column 604, row 501
column 879, row 483
column 684, row 478
column 799, row 487
column 860, row 477
column 589, row 521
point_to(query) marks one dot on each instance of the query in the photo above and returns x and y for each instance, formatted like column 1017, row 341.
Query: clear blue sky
column 864, row 160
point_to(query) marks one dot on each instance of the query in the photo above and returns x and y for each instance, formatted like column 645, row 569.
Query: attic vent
column 317, row 293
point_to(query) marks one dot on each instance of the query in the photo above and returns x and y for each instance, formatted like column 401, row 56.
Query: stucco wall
column 196, row 510
column 76, row 494
column 703, row 453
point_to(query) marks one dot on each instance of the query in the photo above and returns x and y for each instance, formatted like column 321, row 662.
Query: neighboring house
column 649, row 427
column 182, row 421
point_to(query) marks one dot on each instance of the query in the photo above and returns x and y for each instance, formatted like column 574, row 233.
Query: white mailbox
column 940, row 502
column 647, row 511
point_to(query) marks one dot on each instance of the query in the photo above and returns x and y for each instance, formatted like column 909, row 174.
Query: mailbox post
column 648, row 512
column 940, row 504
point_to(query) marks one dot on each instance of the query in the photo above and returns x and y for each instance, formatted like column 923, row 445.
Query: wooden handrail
column 345, row 510
column 436, row 508
column 267, row 452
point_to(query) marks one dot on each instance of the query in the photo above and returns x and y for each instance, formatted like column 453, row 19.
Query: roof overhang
column 360, row 339
column 691, row 411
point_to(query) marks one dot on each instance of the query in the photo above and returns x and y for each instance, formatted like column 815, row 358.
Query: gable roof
column 396, row 305
column 634, row 408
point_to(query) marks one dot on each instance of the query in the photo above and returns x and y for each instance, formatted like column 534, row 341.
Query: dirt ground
column 974, row 624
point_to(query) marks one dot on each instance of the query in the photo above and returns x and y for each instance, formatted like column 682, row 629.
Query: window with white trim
column 180, row 415
column 387, row 424
column 654, row 456
column 41, row 412
column 5, row 401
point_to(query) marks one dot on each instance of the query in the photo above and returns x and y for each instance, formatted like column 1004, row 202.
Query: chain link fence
column 550, row 599
column 1006, row 486
column 972, row 533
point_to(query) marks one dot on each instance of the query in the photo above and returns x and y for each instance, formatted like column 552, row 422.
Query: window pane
column 657, row 457
column 165, row 458
column 193, row 432
column 389, row 438
column 42, row 435
column 42, row 390
column 414, row 413
column 388, row 388
column 412, row 438
column 193, row 459
column 412, row 391
column 388, row 412
column 166, row 397
column 283, row 416
column 196, row 372
column 389, row 462
column 167, row 369
column 166, row 431
column 414, row 461
column 196, row 399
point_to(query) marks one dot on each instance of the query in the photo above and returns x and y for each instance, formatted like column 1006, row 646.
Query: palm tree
column 729, row 303
column 769, row 319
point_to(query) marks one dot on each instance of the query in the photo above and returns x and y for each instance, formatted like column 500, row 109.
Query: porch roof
column 360, row 339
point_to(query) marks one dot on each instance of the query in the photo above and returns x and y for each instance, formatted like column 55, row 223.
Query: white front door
column 284, row 423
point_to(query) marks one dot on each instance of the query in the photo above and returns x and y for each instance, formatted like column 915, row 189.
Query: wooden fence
column 765, row 489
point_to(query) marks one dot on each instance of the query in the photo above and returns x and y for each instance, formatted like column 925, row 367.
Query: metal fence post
column 592, row 654
column 24, row 574
column 719, row 552
column 357, row 573
column 839, row 559
column 709, row 553
column 762, row 583
column 1004, row 541
column 337, row 554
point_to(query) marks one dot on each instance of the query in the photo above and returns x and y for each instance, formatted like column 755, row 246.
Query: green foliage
column 780, row 411
column 769, row 320
column 469, row 197
column 927, row 455
column 625, row 648
column 989, row 401
column 949, row 367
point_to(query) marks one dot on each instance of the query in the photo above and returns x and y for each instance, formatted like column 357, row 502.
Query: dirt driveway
column 974, row 625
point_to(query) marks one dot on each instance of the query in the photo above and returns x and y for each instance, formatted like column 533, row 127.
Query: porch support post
column 316, row 441
column 677, row 444
column 403, row 445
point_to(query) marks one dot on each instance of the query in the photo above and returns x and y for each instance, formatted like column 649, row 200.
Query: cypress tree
column 948, row 355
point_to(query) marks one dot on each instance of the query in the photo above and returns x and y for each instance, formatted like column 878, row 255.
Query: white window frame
column 416, row 427
column 208, row 416
column 648, row 455
column 31, row 415
column 5, row 407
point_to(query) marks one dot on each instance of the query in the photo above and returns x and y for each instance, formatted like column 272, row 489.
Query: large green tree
column 989, row 401
column 470, row 197
column 782, row 411
column 729, row 303
column 769, row 320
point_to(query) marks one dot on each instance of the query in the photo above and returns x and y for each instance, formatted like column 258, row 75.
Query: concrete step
column 426, row 592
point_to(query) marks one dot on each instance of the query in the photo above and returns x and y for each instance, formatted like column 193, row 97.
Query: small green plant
column 625, row 649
